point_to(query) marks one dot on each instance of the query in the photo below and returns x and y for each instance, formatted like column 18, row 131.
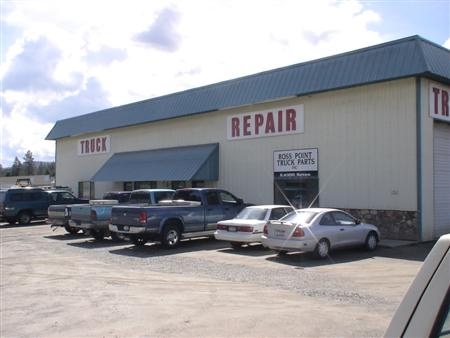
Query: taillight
column 298, row 232
column 93, row 215
column 266, row 231
column 143, row 217
column 245, row 228
column 221, row 227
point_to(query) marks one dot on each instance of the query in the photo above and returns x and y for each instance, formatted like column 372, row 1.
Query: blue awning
column 189, row 163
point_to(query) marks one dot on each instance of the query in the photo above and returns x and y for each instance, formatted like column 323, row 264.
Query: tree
column 16, row 167
column 28, row 163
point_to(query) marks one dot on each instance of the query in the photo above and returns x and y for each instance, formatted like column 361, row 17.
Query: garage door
column 441, row 178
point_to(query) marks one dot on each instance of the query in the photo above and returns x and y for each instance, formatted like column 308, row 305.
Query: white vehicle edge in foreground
column 425, row 308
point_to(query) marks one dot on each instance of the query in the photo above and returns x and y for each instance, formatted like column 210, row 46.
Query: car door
column 349, row 231
column 328, row 228
column 214, row 211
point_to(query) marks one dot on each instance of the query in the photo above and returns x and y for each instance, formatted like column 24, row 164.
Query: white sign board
column 280, row 121
column 94, row 145
column 295, row 160
column 439, row 102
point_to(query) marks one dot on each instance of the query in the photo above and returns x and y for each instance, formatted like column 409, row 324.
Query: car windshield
column 252, row 213
column 140, row 197
column 299, row 216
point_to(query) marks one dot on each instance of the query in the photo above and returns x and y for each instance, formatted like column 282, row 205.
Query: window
column 327, row 219
column 277, row 213
column 343, row 218
column 212, row 198
column 442, row 326
column 227, row 198
column 186, row 195
column 163, row 195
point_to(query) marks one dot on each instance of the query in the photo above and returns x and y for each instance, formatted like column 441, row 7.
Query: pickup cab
column 59, row 215
column 193, row 212
column 94, row 218
column 425, row 308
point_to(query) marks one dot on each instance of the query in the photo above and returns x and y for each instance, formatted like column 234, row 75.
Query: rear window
column 299, row 216
column 252, row 213
column 163, row 195
column 188, row 195
column 120, row 197
column 140, row 197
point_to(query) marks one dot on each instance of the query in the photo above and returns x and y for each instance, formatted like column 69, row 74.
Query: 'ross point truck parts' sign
column 280, row 121
column 295, row 163
column 94, row 145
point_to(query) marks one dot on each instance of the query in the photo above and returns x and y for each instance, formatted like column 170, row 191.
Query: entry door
column 441, row 178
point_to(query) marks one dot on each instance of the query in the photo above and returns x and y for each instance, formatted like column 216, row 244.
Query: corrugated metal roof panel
column 407, row 57
column 199, row 162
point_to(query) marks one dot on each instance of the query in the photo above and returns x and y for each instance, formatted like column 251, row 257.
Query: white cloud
column 106, row 52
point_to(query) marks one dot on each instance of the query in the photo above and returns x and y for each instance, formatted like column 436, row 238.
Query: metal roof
column 408, row 57
column 189, row 163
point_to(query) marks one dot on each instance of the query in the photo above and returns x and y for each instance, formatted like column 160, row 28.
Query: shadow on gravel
column 154, row 249
column 91, row 243
column 33, row 223
column 66, row 236
column 415, row 252
column 252, row 250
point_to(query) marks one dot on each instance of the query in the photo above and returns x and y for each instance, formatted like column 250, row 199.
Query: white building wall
column 365, row 137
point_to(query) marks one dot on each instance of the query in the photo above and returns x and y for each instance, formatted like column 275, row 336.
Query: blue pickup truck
column 94, row 218
column 193, row 212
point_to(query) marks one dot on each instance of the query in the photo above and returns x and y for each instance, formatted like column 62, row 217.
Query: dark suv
column 24, row 204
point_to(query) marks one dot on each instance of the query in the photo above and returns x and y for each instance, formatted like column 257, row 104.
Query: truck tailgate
column 126, row 215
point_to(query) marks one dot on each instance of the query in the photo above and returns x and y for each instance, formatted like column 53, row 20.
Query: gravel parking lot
column 58, row 285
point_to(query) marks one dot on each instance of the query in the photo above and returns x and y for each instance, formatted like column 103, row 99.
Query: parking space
column 58, row 285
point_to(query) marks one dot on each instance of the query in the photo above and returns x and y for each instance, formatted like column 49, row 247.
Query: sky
column 66, row 58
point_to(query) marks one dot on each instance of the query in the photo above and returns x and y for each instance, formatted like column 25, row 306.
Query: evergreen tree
column 28, row 163
column 16, row 167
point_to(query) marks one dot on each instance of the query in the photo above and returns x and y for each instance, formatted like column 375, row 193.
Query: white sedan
column 318, row 230
column 248, row 225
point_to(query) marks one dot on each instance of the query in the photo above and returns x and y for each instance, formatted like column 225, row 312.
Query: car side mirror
column 357, row 221
column 240, row 201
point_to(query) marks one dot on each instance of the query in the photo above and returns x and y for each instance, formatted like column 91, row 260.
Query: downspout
column 419, row 155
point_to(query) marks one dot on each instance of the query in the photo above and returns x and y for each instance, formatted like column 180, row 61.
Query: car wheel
column 115, row 236
column 138, row 241
column 371, row 241
column 322, row 249
column 171, row 236
column 98, row 234
column 24, row 217
column 236, row 245
column 11, row 221
column 71, row 230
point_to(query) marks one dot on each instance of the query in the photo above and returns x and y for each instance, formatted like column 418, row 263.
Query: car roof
column 268, row 206
column 318, row 209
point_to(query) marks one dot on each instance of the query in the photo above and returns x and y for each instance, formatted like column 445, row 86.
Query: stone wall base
column 393, row 224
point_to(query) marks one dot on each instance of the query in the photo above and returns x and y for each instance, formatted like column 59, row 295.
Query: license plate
column 232, row 229
column 279, row 233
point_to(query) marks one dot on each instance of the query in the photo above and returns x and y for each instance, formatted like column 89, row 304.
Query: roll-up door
column 441, row 178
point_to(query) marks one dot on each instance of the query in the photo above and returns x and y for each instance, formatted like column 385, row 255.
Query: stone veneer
column 393, row 224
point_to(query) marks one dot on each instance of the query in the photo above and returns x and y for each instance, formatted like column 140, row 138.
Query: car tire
column 115, row 237
column 98, row 235
column 24, row 217
column 236, row 245
column 71, row 230
column 171, row 236
column 322, row 249
column 11, row 221
column 138, row 241
column 371, row 241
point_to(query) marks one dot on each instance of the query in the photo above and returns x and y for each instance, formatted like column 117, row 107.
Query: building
column 366, row 131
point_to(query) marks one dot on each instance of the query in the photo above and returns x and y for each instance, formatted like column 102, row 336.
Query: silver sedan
column 318, row 230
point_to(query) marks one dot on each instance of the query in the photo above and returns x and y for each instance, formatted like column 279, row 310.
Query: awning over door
column 189, row 163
